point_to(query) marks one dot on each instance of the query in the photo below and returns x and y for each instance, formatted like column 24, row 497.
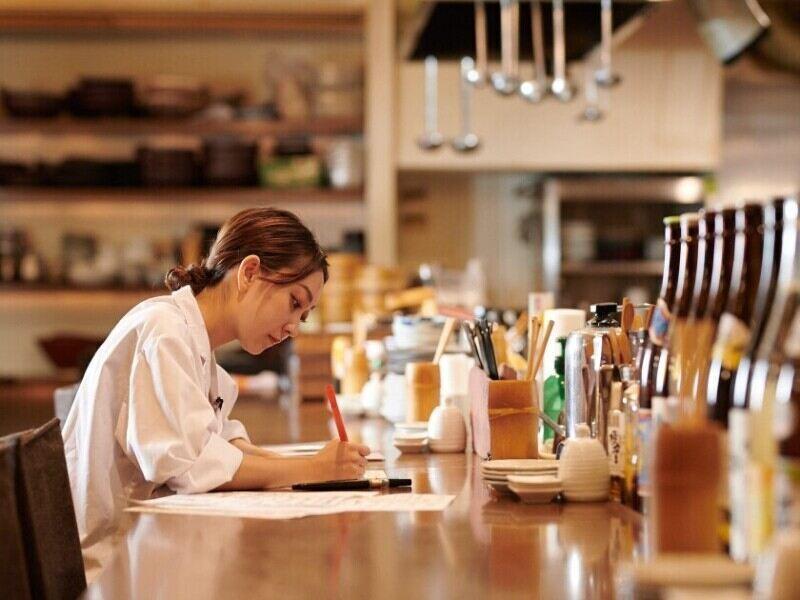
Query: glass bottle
column 707, row 317
column 672, row 350
column 659, row 322
column 733, row 331
column 733, row 335
column 771, row 414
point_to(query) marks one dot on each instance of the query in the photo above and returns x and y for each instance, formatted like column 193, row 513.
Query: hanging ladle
column 535, row 89
column 467, row 140
column 431, row 138
column 605, row 75
column 561, row 87
column 477, row 74
column 507, row 79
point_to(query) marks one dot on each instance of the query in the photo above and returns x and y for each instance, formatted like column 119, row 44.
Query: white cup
column 447, row 431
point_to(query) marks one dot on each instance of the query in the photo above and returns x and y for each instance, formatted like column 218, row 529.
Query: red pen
column 337, row 416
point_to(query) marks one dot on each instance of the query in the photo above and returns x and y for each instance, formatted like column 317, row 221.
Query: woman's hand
column 340, row 460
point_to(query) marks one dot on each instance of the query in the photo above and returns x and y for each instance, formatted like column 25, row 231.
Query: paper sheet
column 311, row 448
column 291, row 505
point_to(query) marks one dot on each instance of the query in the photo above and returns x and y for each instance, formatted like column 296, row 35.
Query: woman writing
column 151, row 414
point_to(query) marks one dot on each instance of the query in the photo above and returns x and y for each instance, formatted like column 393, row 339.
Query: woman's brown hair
column 287, row 250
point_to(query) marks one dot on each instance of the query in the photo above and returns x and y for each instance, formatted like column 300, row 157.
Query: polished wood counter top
column 481, row 546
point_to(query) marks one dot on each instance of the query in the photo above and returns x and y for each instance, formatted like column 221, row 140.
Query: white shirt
column 144, row 421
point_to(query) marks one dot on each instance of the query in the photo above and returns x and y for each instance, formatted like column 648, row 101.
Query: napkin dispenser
column 504, row 416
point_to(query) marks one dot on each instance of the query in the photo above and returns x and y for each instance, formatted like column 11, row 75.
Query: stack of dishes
column 535, row 489
column 411, row 437
column 496, row 472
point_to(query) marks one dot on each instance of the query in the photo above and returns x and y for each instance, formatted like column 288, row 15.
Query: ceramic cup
column 447, row 431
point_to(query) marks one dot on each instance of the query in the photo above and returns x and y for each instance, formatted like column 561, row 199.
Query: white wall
column 664, row 116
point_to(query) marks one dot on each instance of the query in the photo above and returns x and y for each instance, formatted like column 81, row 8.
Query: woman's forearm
column 248, row 448
column 264, row 472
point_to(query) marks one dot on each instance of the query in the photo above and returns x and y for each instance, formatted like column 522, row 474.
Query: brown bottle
column 770, row 263
column 659, row 322
column 707, row 315
column 672, row 349
column 734, row 329
column 684, row 362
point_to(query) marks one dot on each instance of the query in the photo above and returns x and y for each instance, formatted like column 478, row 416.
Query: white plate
column 534, row 496
column 410, row 439
column 414, row 448
column 520, row 464
column 536, row 480
column 500, row 487
column 412, row 426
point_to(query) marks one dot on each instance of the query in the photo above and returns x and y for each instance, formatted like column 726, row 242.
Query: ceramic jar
column 583, row 467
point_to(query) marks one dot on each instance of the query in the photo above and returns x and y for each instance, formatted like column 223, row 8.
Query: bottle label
column 787, row 490
column 738, row 453
column 733, row 335
column 791, row 347
column 644, row 430
column 659, row 323
column 616, row 449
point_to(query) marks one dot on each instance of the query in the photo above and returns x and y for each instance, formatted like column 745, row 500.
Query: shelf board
column 188, row 126
column 16, row 296
column 347, row 20
column 237, row 195
column 614, row 268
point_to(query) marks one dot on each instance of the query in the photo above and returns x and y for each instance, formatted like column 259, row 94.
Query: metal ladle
column 534, row 90
column 467, row 140
column 431, row 138
column 507, row 79
column 561, row 86
column 605, row 75
column 477, row 74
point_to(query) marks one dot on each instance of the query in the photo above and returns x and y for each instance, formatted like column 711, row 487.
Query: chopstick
column 447, row 331
column 533, row 338
column 466, row 327
column 540, row 353
column 488, row 348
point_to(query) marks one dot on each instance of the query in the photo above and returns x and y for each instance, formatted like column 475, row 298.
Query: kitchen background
column 546, row 200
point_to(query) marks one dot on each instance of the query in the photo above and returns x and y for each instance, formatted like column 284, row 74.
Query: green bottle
column 554, row 390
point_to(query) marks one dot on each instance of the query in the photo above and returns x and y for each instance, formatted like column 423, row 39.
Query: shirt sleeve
column 173, row 432
column 231, row 428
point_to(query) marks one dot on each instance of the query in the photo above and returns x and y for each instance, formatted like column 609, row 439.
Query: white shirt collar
column 185, row 300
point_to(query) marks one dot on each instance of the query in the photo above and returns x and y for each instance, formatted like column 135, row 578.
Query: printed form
column 291, row 505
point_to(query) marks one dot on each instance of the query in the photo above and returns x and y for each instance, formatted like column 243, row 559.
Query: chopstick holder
column 505, row 417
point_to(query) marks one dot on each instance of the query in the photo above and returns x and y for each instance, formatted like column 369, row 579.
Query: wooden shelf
column 614, row 268
column 16, row 296
column 237, row 195
column 346, row 20
column 188, row 126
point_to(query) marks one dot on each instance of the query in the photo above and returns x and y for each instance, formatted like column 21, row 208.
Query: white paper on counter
column 290, row 505
column 309, row 448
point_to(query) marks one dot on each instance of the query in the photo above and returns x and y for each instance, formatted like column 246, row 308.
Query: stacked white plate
column 411, row 437
column 497, row 472
column 535, row 489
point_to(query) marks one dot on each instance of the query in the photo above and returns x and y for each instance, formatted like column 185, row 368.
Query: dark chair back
column 13, row 572
column 47, row 516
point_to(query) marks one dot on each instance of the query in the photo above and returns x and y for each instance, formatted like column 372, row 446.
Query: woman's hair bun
column 196, row 276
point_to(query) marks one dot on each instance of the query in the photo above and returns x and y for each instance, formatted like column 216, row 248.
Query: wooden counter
column 481, row 546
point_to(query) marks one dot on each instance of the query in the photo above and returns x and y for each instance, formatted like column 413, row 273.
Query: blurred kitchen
column 544, row 161
column 613, row 177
